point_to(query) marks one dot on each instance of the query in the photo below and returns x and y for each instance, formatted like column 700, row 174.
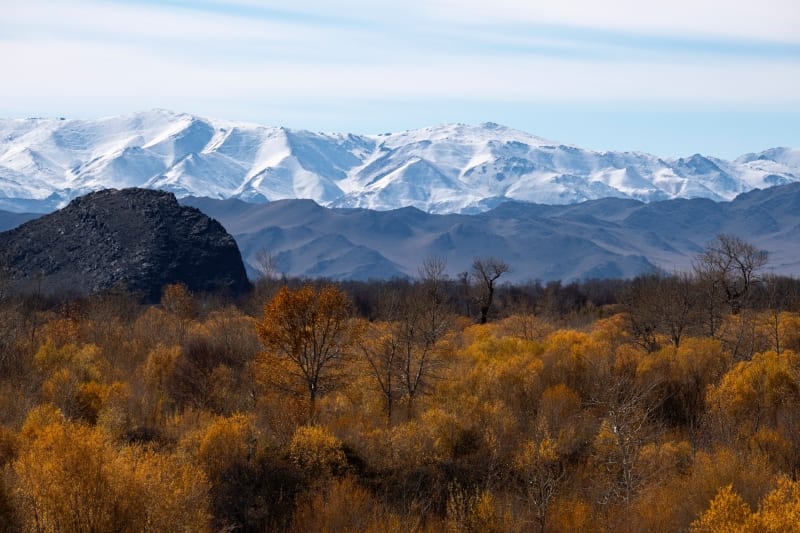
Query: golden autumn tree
column 780, row 509
column 308, row 334
column 71, row 478
column 763, row 393
column 728, row 512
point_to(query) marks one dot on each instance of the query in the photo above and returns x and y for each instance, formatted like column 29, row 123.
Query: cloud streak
column 767, row 20
column 89, row 57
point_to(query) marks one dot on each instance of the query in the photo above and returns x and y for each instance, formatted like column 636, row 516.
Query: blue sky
column 672, row 78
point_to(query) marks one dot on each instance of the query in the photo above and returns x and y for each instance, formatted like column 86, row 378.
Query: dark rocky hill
column 138, row 238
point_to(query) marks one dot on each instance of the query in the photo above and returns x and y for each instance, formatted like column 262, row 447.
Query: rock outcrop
column 137, row 238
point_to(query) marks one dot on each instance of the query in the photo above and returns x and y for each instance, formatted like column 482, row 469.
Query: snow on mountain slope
column 449, row 168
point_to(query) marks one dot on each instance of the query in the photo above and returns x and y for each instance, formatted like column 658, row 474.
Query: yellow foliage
column 525, row 326
column 789, row 330
column 558, row 407
column 176, row 299
column 578, row 359
column 516, row 380
column 749, row 475
column 612, row 331
column 225, row 442
column 40, row 417
column 310, row 333
column 71, row 479
column 443, row 431
column 86, row 361
column 61, row 331
column 728, row 513
column 485, row 345
column 432, row 438
column 552, row 430
column 567, row 343
column 536, row 453
column 683, row 374
column 473, row 512
column 606, row 440
column 343, row 505
column 702, row 356
column 114, row 414
column 316, row 451
column 155, row 326
column 755, row 393
column 774, row 445
column 160, row 492
column 661, row 460
column 160, row 364
column 572, row 514
column 157, row 371
column 232, row 334
column 60, row 388
column 61, row 484
column 779, row 511
column 475, row 333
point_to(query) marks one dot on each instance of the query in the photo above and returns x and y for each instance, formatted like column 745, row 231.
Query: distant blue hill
column 607, row 238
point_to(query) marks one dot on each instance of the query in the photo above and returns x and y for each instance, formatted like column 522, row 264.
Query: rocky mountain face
column 141, row 239
column 608, row 238
column 452, row 168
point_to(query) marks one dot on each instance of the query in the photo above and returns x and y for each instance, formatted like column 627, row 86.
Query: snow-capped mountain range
column 445, row 169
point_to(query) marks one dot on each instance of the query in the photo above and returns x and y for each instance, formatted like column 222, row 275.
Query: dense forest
column 663, row 403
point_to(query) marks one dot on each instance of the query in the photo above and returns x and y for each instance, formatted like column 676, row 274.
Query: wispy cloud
column 767, row 20
column 198, row 55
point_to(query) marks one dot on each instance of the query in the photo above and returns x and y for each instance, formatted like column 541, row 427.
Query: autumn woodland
column 670, row 402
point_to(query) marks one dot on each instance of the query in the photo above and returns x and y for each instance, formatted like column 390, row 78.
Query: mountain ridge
column 610, row 237
column 603, row 238
column 452, row 168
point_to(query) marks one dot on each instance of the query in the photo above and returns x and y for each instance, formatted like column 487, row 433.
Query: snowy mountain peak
column 447, row 168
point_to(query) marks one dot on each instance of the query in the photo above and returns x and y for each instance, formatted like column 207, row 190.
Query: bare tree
column 660, row 305
column 432, row 286
column 382, row 349
column 730, row 266
column 779, row 294
column 266, row 263
column 403, row 352
column 423, row 323
column 486, row 272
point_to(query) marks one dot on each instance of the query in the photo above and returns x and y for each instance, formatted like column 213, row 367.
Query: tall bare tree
column 266, row 263
column 486, row 271
column 660, row 305
column 403, row 351
column 731, row 267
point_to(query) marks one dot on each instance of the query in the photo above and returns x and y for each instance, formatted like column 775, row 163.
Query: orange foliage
column 191, row 416
column 763, row 392
column 70, row 478
column 308, row 334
